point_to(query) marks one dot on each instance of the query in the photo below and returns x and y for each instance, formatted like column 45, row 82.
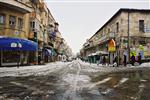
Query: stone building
column 129, row 28
column 28, row 32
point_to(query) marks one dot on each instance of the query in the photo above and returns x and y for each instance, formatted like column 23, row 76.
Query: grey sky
column 80, row 19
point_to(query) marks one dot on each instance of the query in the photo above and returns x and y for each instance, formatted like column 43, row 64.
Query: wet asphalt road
column 75, row 82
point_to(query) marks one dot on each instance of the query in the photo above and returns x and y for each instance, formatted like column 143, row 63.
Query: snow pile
column 145, row 65
column 31, row 70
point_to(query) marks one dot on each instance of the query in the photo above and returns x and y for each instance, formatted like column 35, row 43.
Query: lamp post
column 118, row 52
column 128, row 46
column 19, row 53
column 43, row 55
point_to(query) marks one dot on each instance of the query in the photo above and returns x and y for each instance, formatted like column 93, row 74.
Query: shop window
column 8, row 55
column 141, row 25
column 12, row 21
column 20, row 23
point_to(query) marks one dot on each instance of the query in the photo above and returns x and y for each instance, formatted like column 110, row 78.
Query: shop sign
column 111, row 46
column 147, row 52
column 19, row 45
column 13, row 45
column 143, row 50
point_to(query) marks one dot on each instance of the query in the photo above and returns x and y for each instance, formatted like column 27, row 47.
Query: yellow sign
column 111, row 46
column 111, row 49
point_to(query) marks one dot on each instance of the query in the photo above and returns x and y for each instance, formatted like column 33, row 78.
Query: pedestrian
column 132, row 59
column 125, row 60
column 99, row 61
column 39, row 59
column 18, row 59
column 139, row 59
column 115, row 61
column 104, row 60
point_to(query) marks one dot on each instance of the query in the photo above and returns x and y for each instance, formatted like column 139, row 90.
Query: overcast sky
column 80, row 19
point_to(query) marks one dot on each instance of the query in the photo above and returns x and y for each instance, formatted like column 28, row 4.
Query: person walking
column 125, row 60
column 104, row 60
column 132, row 59
column 115, row 61
column 18, row 59
column 139, row 59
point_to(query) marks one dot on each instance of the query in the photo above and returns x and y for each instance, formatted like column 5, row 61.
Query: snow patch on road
column 70, row 78
column 123, row 80
column 145, row 65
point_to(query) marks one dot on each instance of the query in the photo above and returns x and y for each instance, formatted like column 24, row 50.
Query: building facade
column 28, row 33
column 129, row 28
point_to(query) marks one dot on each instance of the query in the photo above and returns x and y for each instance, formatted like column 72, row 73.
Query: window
column 12, row 21
column 20, row 23
column 2, row 19
column 117, row 27
column 142, row 42
column 32, row 26
column 141, row 25
column 108, row 30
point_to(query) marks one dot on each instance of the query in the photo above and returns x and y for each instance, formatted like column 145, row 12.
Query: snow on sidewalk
column 31, row 70
column 54, row 66
column 87, row 67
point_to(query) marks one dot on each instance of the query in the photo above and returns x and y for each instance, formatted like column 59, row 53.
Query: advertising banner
column 111, row 46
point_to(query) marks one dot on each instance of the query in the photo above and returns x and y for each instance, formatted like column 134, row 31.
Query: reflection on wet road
column 78, row 81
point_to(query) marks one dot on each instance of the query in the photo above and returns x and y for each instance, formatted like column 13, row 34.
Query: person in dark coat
column 132, row 59
column 125, row 60
column 115, row 61
column 104, row 60
column 139, row 59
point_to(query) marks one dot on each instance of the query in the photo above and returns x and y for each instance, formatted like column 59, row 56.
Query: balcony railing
column 10, row 32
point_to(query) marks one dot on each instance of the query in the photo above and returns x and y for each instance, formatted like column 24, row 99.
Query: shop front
column 16, row 51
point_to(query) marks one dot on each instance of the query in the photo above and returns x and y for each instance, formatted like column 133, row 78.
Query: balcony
column 15, row 5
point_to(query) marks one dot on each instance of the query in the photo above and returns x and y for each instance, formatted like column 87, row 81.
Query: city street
column 75, row 80
column 75, row 50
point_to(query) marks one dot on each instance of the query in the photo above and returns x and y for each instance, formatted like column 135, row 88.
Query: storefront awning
column 8, row 44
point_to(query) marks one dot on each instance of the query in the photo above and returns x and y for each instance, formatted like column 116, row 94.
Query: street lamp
column 43, row 55
column 128, row 46
column 19, row 53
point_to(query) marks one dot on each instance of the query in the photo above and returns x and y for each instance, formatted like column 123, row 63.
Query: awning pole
column 1, row 57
